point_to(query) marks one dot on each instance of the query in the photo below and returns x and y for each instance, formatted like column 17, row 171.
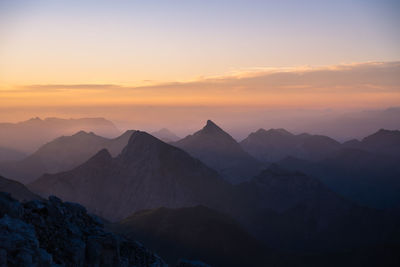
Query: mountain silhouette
column 147, row 174
column 28, row 136
column 283, row 209
column 276, row 144
column 220, row 151
column 385, row 142
column 368, row 178
column 62, row 154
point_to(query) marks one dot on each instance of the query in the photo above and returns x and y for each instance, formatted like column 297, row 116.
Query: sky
column 287, row 54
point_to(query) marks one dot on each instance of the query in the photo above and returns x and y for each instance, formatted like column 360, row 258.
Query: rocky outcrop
column 55, row 233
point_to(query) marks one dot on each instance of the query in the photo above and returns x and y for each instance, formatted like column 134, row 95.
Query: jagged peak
column 211, row 127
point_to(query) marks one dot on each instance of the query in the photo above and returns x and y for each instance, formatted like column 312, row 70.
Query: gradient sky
column 95, row 53
column 131, row 42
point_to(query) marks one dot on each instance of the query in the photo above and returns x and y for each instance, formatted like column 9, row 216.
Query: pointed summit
column 141, row 143
column 220, row 151
column 211, row 125
column 212, row 128
column 142, row 138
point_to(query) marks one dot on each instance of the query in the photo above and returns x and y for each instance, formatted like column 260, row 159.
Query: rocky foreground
column 55, row 233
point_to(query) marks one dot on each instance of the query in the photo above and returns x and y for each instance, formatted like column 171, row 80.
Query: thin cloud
column 304, row 86
column 71, row 86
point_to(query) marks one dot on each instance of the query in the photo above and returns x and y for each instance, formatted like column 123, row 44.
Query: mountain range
column 218, row 150
column 365, row 171
column 383, row 142
column 283, row 209
column 276, row 144
column 62, row 154
column 147, row 174
column 205, row 197
column 15, row 135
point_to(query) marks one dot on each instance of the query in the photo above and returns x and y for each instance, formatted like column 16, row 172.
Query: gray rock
column 53, row 233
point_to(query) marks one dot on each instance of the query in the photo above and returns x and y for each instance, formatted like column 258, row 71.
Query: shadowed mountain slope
column 147, row 174
column 368, row 178
column 221, row 152
column 16, row 190
column 195, row 233
column 290, row 210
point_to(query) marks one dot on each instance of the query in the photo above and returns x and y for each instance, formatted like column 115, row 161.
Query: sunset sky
column 278, row 54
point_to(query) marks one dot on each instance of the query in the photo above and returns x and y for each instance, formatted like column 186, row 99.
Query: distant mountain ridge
column 14, row 135
column 220, row 151
column 385, row 142
column 276, row 144
column 62, row 154
column 165, row 135
column 365, row 171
